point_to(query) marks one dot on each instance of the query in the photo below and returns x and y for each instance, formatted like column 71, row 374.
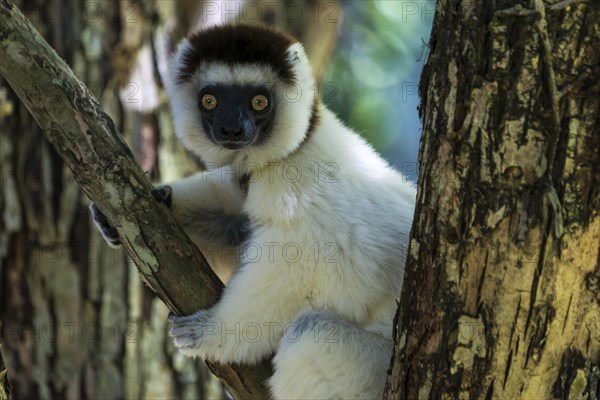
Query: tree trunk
column 502, row 292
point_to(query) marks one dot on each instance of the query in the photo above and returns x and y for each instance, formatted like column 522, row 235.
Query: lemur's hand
column 162, row 194
column 109, row 233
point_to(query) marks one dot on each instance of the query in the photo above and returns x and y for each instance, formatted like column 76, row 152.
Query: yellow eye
column 260, row 102
column 209, row 101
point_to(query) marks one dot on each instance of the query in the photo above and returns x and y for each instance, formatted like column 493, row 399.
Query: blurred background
column 77, row 321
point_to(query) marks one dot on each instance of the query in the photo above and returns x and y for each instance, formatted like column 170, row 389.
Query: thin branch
column 102, row 164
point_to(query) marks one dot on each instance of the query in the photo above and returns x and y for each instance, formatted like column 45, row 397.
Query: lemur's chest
column 281, row 192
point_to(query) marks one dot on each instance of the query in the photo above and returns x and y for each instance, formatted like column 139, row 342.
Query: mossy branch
column 102, row 164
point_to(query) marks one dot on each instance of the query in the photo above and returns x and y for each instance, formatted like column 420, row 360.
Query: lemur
column 319, row 219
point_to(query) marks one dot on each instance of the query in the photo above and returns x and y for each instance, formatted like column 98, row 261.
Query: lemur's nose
column 232, row 133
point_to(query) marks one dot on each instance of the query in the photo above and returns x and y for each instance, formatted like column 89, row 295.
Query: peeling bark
column 501, row 299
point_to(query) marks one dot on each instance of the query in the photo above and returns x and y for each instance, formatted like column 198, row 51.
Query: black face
column 236, row 116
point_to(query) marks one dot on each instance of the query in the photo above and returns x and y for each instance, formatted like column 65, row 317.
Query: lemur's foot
column 162, row 194
column 191, row 331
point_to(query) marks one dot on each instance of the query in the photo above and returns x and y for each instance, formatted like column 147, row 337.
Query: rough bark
column 501, row 298
column 5, row 389
column 101, row 163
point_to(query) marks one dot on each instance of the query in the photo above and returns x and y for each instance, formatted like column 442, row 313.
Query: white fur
column 323, row 270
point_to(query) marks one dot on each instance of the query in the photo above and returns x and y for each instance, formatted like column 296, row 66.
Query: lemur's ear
column 296, row 54
column 178, row 60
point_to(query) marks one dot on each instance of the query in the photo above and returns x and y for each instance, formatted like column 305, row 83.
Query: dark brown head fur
column 238, row 44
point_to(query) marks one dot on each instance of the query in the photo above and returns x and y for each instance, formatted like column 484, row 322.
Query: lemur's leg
column 322, row 356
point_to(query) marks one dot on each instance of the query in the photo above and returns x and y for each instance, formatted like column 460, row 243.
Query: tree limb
column 102, row 164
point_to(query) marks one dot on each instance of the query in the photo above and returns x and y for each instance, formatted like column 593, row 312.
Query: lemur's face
column 236, row 116
column 242, row 93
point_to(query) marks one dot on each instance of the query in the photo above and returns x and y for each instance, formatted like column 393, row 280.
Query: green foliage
column 373, row 78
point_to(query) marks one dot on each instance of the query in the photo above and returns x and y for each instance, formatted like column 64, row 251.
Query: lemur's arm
column 208, row 206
